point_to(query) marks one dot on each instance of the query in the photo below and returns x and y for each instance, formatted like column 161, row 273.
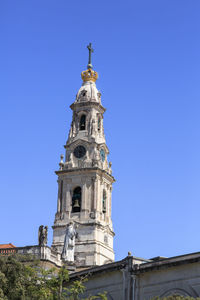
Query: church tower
column 85, row 179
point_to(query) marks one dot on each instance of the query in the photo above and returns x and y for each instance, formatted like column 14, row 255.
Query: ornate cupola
column 85, row 179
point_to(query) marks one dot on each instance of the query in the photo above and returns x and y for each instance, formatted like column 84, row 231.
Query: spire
column 89, row 74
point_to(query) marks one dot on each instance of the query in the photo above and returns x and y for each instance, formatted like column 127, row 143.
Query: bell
column 76, row 203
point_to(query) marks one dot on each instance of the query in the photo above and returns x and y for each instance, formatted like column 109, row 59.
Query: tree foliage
column 20, row 280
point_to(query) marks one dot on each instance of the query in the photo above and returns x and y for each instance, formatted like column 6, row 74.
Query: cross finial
column 89, row 66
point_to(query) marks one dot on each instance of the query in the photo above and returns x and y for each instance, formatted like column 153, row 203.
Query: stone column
column 88, row 194
column 68, row 198
column 110, row 201
column 95, row 193
column 58, row 201
column 101, row 196
column 98, row 196
column 84, row 200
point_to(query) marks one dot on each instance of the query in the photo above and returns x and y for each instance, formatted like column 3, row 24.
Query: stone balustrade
column 43, row 253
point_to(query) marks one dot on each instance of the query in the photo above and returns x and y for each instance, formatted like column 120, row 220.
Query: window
column 104, row 202
column 83, row 93
column 82, row 122
column 76, row 200
column 99, row 123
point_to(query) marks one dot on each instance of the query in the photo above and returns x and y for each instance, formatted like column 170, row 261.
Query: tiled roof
column 10, row 245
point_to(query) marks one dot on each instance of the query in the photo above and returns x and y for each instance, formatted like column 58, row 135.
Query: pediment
column 104, row 147
column 77, row 143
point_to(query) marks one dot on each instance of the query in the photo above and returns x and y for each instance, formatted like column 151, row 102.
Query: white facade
column 138, row 279
column 85, row 181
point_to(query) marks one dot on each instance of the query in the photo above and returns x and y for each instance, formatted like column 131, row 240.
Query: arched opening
column 99, row 123
column 83, row 93
column 104, row 202
column 82, row 122
column 175, row 293
column 76, row 200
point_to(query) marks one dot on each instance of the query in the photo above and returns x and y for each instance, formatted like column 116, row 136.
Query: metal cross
column 89, row 66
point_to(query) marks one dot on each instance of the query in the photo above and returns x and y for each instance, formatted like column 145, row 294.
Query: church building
column 83, row 230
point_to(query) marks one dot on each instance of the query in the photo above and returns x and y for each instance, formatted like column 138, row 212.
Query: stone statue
column 96, row 155
column 45, row 235
column 61, row 163
column 92, row 127
column 42, row 235
column 69, row 243
column 110, row 168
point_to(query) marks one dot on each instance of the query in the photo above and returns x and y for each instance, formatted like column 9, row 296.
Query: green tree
column 22, row 278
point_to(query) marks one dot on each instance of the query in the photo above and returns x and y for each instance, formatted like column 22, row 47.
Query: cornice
column 75, row 105
column 93, row 223
column 165, row 263
column 84, row 170
column 101, row 269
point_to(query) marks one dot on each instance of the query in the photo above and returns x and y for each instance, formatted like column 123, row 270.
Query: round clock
column 79, row 151
column 102, row 153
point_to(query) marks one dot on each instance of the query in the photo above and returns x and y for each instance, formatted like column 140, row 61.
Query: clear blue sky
column 147, row 54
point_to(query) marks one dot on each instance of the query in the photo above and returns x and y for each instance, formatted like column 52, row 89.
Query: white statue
column 96, row 154
column 69, row 243
column 93, row 127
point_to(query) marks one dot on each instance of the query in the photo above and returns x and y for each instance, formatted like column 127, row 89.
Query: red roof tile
column 10, row 245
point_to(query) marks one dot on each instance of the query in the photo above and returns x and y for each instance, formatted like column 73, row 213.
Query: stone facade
column 138, row 279
column 85, row 181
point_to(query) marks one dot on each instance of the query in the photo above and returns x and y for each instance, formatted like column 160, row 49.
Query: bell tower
column 85, row 179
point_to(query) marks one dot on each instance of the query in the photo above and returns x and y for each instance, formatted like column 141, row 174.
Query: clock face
column 102, row 153
column 79, row 151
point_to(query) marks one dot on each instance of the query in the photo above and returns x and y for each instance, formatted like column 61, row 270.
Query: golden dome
column 89, row 75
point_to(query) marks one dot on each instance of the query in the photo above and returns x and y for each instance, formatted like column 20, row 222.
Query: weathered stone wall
column 180, row 279
column 137, row 279
column 111, row 282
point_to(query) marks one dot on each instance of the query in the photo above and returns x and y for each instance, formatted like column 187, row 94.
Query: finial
column 89, row 74
column 61, row 164
column 89, row 66
column 129, row 253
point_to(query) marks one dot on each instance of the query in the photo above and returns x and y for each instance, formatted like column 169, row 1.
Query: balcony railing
column 7, row 251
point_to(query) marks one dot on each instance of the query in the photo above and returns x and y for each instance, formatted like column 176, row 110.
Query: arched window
column 99, row 123
column 82, row 122
column 104, row 202
column 76, row 200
